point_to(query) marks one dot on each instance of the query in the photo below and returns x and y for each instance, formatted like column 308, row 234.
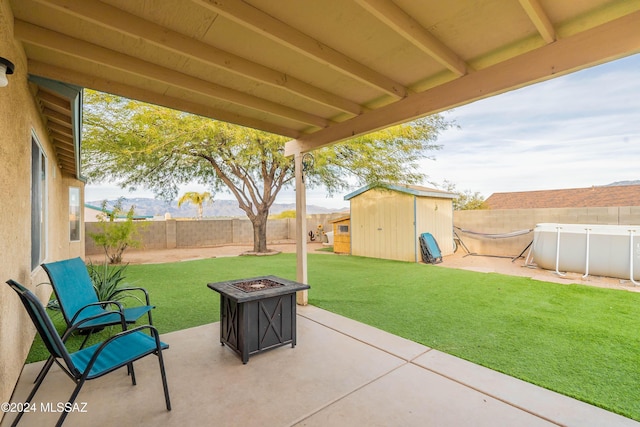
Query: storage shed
column 386, row 220
column 342, row 235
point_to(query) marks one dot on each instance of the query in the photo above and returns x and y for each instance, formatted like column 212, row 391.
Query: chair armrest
column 136, row 288
column 78, row 325
column 100, row 303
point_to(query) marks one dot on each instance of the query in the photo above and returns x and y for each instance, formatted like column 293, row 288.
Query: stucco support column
column 301, row 229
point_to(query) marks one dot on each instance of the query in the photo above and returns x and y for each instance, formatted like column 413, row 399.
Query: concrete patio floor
column 341, row 373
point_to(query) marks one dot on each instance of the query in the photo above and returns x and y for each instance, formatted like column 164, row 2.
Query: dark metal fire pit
column 257, row 314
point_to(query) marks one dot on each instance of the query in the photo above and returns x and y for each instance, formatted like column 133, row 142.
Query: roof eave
column 402, row 189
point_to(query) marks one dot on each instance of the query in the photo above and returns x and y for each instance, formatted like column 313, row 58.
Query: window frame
column 75, row 215
column 38, row 202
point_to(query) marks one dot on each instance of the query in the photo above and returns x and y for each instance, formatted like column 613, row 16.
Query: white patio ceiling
column 319, row 71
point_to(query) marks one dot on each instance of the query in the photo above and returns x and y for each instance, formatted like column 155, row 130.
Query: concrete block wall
column 276, row 230
column 313, row 221
column 203, row 233
column 153, row 234
column 501, row 221
column 173, row 233
column 171, row 229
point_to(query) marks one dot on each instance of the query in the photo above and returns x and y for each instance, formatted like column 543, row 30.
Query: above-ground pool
column 599, row 250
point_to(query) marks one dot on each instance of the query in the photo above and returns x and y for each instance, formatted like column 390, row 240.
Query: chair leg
column 37, row 385
column 164, row 380
column 86, row 338
column 44, row 369
column 150, row 321
column 132, row 373
column 71, row 400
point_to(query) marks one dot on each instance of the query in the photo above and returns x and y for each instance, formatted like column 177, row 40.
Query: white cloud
column 575, row 131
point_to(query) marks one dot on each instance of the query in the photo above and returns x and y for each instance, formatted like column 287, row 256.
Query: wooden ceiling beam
column 54, row 72
column 83, row 50
column 594, row 46
column 540, row 20
column 270, row 27
column 67, row 165
column 123, row 22
column 54, row 102
column 66, row 162
column 62, row 119
column 62, row 152
column 406, row 26
column 62, row 130
column 62, row 146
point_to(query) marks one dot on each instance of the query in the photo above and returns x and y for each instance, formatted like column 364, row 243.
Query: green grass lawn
column 577, row 340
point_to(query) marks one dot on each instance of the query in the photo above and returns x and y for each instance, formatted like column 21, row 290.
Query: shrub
column 108, row 281
column 116, row 236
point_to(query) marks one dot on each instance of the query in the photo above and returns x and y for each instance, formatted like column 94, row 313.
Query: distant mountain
column 636, row 182
column 219, row 208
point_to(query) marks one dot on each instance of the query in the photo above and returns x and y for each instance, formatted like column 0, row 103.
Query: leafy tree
column 284, row 215
column 198, row 199
column 115, row 236
column 390, row 155
column 138, row 144
column 466, row 200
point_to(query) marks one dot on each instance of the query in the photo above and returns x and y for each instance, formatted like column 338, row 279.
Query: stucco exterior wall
column 19, row 120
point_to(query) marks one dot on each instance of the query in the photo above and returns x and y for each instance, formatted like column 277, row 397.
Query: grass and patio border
column 577, row 340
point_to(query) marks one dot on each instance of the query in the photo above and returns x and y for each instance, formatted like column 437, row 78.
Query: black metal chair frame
column 99, row 352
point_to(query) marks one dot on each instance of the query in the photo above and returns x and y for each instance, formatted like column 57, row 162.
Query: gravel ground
column 518, row 267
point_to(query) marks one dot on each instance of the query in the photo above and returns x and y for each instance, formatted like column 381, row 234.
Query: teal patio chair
column 95, row 361
column 78, row 300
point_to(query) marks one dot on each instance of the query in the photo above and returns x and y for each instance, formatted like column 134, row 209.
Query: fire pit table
column 257, row 314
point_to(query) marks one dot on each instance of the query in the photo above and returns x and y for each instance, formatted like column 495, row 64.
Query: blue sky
column 575, row 131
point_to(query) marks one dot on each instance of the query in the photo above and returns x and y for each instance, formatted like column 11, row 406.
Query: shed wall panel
column 435, row 216
column 382, row 225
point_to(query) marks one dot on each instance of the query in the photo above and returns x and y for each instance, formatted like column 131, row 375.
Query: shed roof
column 414, row 190
column 605, row 196
column 342, row 218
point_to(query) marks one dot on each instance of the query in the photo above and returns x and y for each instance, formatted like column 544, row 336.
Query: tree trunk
column 260, row 232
